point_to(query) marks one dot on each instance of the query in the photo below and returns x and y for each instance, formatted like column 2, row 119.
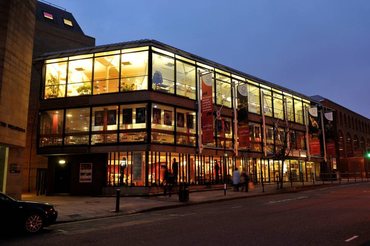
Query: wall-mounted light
column 62, row 162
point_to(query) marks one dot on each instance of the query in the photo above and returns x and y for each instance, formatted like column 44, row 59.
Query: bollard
column 225, row 187
column 118, row 195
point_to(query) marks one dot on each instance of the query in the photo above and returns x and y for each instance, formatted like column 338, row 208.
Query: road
column 337, row 215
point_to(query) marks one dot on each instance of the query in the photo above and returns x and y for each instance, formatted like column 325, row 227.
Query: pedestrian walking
column 175, row 169
column 168, row 181
column 244, row 181
column 236, row 179
column 217, row 172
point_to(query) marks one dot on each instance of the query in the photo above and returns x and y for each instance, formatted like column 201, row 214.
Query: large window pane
column 55, row 80
column 185, row 76
column 133, row 123
column 134, row 71
column 267, row 102
column 79, row 77
column 77, row 126
column 223, row 90
column 104, row 125
column 253, row 99
column 185, row 127
column 289, row 107
column 255, row 136
column 163, row 73
column 278, row 106
column 106, row 74
column 51, row 128
column 298, row 111
column 162, row 124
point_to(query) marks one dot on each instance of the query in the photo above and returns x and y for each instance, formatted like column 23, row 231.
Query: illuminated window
column 267, row 102
column 55, row 80
column 289, row 107
column 67, row 22
column 185, row 127
column 163, row 73
column 104, row 125
column 134, row 71
column 298, row 111
column 185, row 76
column 223, row 90
column 253, row 99
column 51, row 128
column 79, row 77
column 133, row 118
column 278, row 106
column 162, row 124
column 106, row 74
column 48, row 16
column 77, row 126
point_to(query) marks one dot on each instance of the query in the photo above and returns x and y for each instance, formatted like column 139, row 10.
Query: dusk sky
column 315, row 47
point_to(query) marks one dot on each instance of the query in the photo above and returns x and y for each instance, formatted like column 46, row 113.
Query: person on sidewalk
column 175, row 169
column 236, row 179
column 217, row 172
column 244, row 181
column 168, row 181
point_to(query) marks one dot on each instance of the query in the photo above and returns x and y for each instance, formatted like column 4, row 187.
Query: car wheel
column 33, row 223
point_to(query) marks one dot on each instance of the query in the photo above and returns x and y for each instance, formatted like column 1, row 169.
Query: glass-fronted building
column 117, row 115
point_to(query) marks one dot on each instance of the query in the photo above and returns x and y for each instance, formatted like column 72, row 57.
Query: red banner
column 315, row 146
column 243, row 134
column 330, row 148
column 207, row 109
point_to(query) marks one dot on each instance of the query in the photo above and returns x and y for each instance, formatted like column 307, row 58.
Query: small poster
column 99, row 118
column 85, row 172
column 127, row 116
column 190, row 121
column 112, row 117
column 140, row 115
column 156, row 116
column 180, row 119
column 167, row 118
column 227, row 126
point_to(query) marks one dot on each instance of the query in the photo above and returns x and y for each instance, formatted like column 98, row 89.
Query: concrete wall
column 17, row 21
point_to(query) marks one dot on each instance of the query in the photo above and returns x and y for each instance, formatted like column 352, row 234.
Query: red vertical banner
column 243, row 133
column 242, row 116
column 55, row 129
column 315, row 148
column 330, row 148
column 207, row 108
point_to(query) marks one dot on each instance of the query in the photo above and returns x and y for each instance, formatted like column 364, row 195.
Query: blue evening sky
column 312, row 47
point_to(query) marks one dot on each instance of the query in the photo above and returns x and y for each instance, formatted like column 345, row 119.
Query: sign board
column 85, row 172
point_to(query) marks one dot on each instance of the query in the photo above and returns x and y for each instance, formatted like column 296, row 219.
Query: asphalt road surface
column 337, row 215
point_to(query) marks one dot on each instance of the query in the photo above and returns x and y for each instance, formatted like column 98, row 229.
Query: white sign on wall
column 85, row 172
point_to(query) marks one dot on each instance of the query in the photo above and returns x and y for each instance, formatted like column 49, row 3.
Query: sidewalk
column 74, row 208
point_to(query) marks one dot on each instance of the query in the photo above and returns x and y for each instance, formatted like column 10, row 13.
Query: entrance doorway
column 62, row 178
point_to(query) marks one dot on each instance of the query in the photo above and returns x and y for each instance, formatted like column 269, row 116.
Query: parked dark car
column 30, row 217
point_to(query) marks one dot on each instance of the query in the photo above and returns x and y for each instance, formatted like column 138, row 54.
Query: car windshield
column 4, row 197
